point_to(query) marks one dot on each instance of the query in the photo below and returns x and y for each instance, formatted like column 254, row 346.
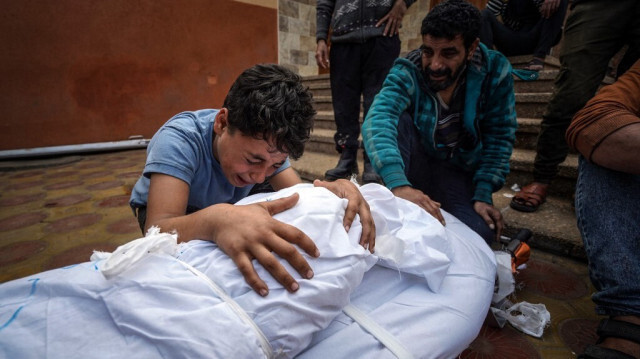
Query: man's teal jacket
column 489, row 121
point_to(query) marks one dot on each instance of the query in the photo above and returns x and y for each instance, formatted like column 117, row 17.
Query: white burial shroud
column 427, row 288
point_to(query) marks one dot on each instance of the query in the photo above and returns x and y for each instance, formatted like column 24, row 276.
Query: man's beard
column 450, row 78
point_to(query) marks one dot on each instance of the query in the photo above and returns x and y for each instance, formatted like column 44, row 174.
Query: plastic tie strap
column 386, row 338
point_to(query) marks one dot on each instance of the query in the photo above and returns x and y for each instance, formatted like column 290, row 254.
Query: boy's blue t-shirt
column 182, row 148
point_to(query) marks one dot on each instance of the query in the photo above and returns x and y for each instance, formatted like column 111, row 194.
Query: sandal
column 536, row 64
column 530, row 197
column 614, row 329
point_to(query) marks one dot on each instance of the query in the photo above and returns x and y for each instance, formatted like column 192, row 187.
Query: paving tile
column 551, row 280
column 17, row 252
column 500, row 343
column 56, row 213
column 74, row 222
column 68, row 200
column 77, row 254
column 21, row 220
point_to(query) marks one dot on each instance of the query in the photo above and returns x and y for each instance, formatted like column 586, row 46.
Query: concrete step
column 526, row 134
column 322, row 141
column 544, row 83
column 532, row 104
column 325, row 120
column 528, row 104
column 553, row 225
column 550, row 62
column 315, row 79
column 521, row 164
column 320, row 88
column 320, row 85
column 521, row 169
column 312, row 165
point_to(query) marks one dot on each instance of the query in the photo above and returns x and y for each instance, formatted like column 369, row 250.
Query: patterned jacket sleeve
column 497, row 130
column 324, row 12
column 380, row 128
column 496, row 6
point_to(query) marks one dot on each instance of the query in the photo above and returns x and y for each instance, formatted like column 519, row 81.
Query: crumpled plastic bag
column 529, row 318
column 129, row 254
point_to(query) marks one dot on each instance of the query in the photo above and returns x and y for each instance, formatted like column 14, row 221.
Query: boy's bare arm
column 244, row 233
column 285, row 179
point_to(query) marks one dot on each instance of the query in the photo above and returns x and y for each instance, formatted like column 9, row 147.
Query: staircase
column 553, row 225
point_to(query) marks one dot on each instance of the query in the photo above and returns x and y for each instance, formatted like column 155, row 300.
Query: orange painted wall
column 85, row 71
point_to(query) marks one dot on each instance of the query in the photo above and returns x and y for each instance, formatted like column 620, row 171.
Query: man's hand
column 249, row 231
column 548, row 7
column 356, row 205
column 393, row 19
column 418, row 197
column 322, row 54
column 491, row 216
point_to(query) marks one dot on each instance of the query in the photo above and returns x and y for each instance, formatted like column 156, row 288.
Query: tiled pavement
column 55, row 212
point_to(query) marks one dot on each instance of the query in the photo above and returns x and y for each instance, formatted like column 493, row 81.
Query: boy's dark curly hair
column 268, row 101
column 451, row 18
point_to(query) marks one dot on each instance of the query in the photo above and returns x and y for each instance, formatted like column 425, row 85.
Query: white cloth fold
column 130, row 253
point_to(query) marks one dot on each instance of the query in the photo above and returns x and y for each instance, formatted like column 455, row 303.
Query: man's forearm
column 619, row 151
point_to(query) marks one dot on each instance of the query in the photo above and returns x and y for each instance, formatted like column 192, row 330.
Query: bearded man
column 441, row 131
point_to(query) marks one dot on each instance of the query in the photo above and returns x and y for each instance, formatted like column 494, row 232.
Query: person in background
column 594, row 32
column 523, row 27
column 364, row 44
column 442, row 128
column 606, row 133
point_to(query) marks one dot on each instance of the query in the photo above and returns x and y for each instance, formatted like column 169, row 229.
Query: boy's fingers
column 349, row 214
column 368, row 236
column 287, row 235
column 243, row 262
column 289, row 253
column 280, row 204
column 276, row 269
column 356, row 205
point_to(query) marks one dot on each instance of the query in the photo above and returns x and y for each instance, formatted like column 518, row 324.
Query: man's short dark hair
column 451, row 18
column 268, row 101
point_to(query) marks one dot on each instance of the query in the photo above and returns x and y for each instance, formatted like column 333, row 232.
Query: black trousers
column 535, row 38
column 440, row 180
column 594, row 32
column 358, row 69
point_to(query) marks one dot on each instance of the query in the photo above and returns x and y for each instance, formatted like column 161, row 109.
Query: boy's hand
column 418, row 197
column 356, row 205
column 249, row 231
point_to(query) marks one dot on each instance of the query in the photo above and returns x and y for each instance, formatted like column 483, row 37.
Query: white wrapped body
column 427, row 285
